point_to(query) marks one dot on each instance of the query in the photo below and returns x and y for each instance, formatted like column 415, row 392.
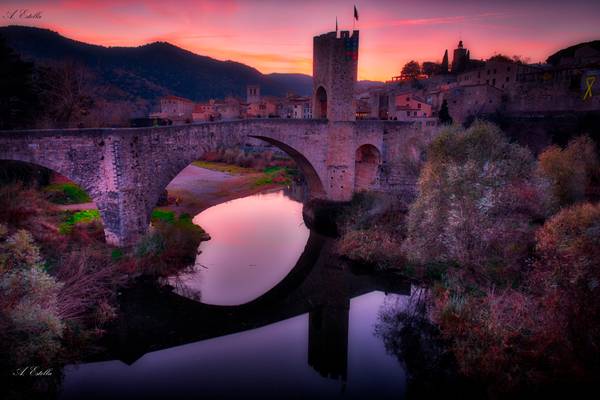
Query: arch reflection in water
column 267, row 362
column 255, row 243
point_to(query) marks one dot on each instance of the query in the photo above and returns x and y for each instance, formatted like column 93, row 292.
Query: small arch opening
column 52, row 207
column 321, row 103
column 367, row 163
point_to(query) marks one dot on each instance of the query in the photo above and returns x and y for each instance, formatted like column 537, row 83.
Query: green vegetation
column 275, row 176
column 163, row 215
column 66, row 193
column 79, row 217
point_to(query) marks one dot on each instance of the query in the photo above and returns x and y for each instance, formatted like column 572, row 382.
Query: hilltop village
column 466, row 88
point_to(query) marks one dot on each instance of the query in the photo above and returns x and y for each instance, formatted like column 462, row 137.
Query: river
column 268, row 311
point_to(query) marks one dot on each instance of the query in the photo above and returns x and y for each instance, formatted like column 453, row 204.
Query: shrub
column 570, row 170
column 170, row 246
column 32, row 326
column 372, row 247
column 567, row 277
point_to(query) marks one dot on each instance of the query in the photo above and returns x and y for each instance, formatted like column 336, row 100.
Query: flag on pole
column 336, row 26
column 355, row 13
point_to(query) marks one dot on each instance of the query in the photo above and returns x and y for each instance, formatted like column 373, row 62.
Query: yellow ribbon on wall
column 589, row 82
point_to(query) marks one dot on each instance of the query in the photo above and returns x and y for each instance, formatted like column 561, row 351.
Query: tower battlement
column 335, row 69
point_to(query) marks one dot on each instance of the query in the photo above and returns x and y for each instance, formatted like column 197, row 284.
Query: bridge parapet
column 125, row 170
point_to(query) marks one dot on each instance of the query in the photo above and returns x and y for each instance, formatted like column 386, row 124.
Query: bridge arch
column 367, row 167
column 157, row 184
column 81, row 181
column 315, row 184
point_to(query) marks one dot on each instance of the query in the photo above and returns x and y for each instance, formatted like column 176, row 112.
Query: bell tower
column 335, row 69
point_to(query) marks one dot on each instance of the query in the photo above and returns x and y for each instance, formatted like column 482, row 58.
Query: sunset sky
column 276, row 35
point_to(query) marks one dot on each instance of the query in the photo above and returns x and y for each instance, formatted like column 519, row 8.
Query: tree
column 18, row 100
column 477, row 204
column 570, row 171
column 444, row 115
column 501, row 57
column 411, row 69
column 67, row 91
column 565, row 276
column 430, row 68
column 444, row 66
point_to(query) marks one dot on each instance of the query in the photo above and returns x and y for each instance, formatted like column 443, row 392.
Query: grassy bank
column 61, row 280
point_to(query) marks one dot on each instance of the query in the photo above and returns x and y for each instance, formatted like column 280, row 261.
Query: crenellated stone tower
column 335, row 68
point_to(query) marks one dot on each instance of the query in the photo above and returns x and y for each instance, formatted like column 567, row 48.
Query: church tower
column 335, row 69
column 460, row 60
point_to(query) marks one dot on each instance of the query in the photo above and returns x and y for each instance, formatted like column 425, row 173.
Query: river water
column 268, row 311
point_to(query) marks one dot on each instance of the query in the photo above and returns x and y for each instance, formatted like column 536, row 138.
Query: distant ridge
column 154, row 69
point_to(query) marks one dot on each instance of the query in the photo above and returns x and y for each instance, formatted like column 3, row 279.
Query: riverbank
column 196, row 188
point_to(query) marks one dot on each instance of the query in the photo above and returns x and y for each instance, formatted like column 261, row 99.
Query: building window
column 418, row 105
column 408, row 99
column 507, row 79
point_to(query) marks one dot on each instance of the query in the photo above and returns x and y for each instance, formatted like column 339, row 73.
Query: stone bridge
column 126, row 170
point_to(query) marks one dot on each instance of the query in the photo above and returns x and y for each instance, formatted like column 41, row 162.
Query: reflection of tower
column 328, row 340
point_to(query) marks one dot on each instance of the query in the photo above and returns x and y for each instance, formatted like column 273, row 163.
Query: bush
column 478, row 202
column 371, row 247
column 29, row 314
column 567, row 277
column 372, row 230
column 571, row 171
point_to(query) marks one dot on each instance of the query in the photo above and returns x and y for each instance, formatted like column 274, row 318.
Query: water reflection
column 255, row 242
column 307, row 331
column 269, row 362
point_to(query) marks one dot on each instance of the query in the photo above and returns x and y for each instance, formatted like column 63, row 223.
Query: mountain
column 152, row 70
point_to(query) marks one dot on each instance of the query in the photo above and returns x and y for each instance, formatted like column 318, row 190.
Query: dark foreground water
column 270, row 312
